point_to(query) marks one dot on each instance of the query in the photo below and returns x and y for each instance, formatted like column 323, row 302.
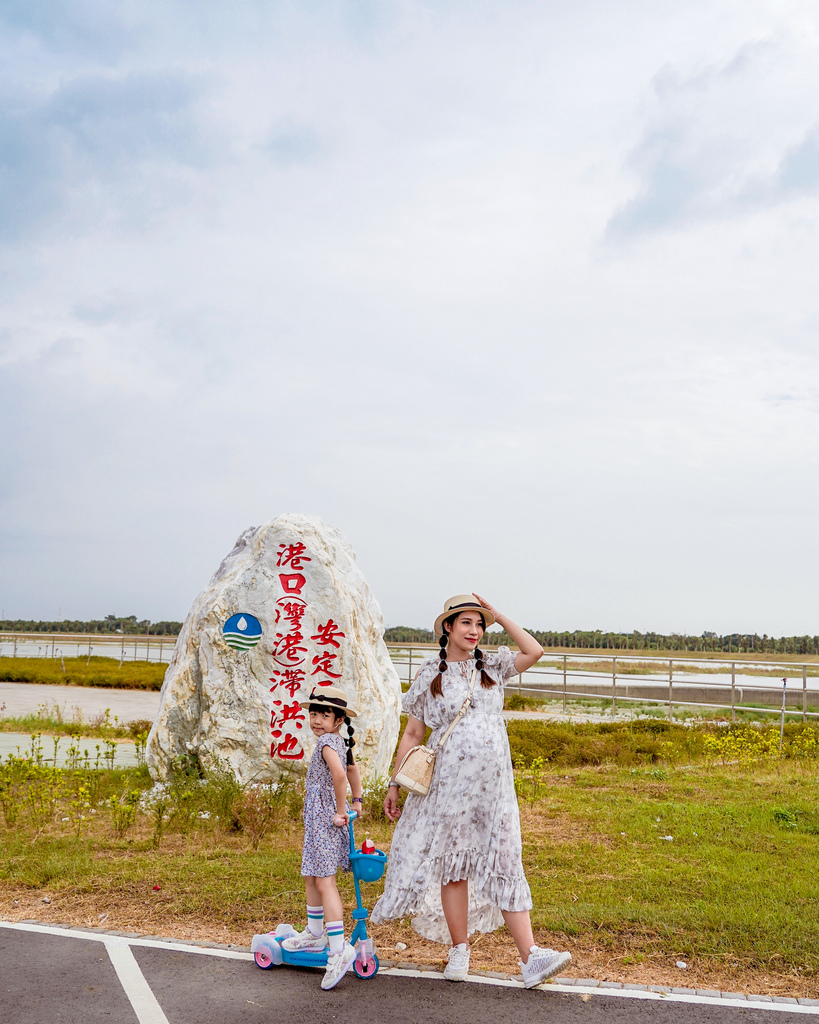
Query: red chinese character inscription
column 292, row 609
column 322, row 663
column 327, row 634
column 291, row 680
column 292, row 582
column 287, row 750
column 292, row 555
column 286, row 648
column 287, row 713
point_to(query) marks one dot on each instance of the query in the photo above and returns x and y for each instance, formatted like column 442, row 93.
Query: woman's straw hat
column 461, row 603
column 332, row 696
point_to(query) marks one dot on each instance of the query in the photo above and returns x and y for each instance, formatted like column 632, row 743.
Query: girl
column 326, row 836
column 455, row 860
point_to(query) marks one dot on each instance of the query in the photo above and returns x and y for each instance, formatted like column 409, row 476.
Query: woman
column 455, row 860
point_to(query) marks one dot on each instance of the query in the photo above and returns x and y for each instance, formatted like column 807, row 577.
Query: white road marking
column 133, row 981
column 400, row 972
column 76, row 933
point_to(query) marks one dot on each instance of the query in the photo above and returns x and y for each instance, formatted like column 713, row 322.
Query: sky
column 521, row 296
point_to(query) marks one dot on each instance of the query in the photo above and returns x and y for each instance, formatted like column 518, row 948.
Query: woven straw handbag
column 417, row 765
column 415, row 771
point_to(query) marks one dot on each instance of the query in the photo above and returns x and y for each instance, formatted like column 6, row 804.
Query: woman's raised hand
column 485, row 604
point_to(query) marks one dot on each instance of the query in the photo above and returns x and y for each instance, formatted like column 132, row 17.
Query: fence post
column 613, row 687
column 733, row 691
column 564, row 684
column 670, row 690
column 409, row 667
column 804, row 693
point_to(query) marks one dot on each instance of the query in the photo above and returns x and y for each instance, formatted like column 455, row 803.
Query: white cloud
column 519, row 298
column 726, row 137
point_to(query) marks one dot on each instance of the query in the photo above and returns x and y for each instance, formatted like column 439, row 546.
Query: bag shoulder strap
column 461, row 713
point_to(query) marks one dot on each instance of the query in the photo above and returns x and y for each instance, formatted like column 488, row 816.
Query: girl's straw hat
column 462, row 603
column 332, row 696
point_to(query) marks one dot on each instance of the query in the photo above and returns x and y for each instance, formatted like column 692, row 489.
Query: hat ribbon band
column 320, row 698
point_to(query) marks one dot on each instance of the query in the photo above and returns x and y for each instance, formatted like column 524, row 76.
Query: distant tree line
column 707, row 643
column 126, row 624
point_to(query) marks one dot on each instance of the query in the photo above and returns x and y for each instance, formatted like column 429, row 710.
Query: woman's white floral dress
column 468, row 825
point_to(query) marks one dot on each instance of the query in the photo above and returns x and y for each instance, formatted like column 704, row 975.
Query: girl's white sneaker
column 337, row 967
column 542, row 964
column 458, row 966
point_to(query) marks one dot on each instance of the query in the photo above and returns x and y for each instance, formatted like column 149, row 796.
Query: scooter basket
column 368, row 867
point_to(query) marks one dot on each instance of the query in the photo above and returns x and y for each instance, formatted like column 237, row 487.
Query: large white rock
column 320, row 625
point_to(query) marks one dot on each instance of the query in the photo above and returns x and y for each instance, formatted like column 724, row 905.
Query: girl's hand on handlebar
column 340, row 820
column 391, row 808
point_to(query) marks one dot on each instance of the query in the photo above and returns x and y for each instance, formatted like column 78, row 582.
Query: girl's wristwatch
column 391, row 784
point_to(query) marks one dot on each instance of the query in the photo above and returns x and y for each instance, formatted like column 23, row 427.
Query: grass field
column 106, row 672
column 644, row 845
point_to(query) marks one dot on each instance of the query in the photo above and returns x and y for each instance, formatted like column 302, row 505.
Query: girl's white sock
column 315, row 920
column 335, row 934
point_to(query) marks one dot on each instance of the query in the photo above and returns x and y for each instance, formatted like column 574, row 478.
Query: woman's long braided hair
column 435, row 687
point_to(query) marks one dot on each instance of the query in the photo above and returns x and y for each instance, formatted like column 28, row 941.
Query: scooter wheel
column 263, row 959
column 368, row 969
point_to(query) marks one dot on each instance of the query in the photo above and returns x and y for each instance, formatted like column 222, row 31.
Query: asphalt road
column 52, row 975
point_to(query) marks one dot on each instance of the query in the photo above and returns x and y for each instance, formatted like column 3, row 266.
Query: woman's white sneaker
column 458, row 966
column 542, row 964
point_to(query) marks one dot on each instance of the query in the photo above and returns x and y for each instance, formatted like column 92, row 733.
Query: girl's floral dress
column 326, row 847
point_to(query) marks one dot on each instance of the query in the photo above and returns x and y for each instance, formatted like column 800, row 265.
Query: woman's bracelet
column 391, row 784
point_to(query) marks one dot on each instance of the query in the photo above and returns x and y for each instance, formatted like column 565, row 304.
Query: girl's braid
column 349, row 742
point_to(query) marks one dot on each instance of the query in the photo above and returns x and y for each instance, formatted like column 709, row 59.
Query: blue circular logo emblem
column 242, row 631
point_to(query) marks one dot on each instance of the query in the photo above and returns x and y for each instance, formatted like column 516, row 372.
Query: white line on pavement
column 133, row 981
column 178, row 947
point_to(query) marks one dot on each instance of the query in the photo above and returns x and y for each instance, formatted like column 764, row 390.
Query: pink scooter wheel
column 263, row 959
column 368, row 969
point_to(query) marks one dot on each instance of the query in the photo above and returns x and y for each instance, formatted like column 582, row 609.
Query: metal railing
column 667, row 682
column 128, row 647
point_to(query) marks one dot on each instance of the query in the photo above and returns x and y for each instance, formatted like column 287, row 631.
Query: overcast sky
column 521, row 296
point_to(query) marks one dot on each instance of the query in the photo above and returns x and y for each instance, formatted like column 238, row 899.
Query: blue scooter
column 267, row 949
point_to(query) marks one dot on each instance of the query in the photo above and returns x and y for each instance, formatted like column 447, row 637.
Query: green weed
column 106, row 672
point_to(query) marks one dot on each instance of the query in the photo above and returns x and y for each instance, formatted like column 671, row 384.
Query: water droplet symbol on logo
column 242, row 631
